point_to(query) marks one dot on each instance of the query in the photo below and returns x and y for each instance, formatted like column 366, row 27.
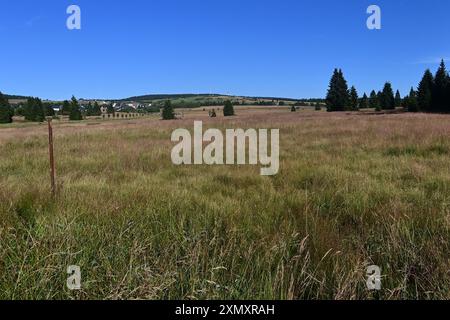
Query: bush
column 228, row 109
column 168, row 113
column 75, row 111
column 34, row 110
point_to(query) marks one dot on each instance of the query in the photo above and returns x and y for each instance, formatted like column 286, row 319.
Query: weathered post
column 52, row 159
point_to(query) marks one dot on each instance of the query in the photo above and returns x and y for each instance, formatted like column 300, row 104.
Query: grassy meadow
column 353, row 190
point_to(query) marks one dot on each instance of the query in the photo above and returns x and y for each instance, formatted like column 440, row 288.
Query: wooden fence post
column 52, row 159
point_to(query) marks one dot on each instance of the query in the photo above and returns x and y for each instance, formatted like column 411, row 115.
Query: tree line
column 433, row 92
column 35, row 110
column 341, row 98
column 432, row 95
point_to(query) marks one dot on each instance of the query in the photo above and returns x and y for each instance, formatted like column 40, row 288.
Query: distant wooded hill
column 151, row 97
column 203, row 100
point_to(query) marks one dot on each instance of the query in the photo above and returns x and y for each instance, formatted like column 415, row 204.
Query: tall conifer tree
column 75, row 111
column 364, row 102
column 398, row 99
column 354, row 99
column 387, row 100
column 440, row 89
column 373, row 100
column 425, row 92
column 338, row 97
column 412, row 103
column 168, row 112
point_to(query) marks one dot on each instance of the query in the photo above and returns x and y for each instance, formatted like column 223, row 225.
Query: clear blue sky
column 245, row 47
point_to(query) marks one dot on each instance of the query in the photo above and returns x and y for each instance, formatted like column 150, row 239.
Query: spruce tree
column 440, row 88
column 34, row 110
column 338, row 95
column 379, row 96
column 425, row 92
column 6, row 112
column 75, row 111
column 364, row 102
column 168, row 112
column 343, row 90
column 387, row 100
column 354, row 99
column 228, row 109
column 373, row 100
column 412, row 103
column 332, row 98
column 398, row 99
